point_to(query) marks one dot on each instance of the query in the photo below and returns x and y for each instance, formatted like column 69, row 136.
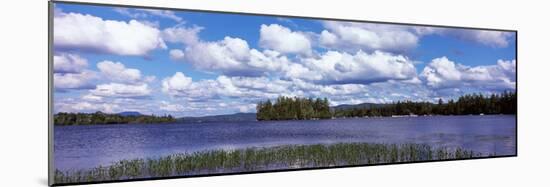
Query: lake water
column 80, row 147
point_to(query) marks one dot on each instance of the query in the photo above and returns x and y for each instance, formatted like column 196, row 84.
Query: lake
column 82, row 147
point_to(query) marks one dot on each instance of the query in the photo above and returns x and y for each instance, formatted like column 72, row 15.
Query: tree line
column 469, row 104
column 288, row 108
column 295, row 108
column 63, row 118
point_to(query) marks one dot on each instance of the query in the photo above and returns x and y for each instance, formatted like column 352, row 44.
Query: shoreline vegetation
column 267, row 158
column 296, row 108
column 287, row 108
column 64, row 119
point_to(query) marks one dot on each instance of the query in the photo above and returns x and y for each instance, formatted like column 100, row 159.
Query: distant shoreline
column 254, row 120
column 296, row 108
column 100, row 118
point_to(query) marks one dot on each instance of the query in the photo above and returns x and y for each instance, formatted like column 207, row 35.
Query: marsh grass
column 256, row 159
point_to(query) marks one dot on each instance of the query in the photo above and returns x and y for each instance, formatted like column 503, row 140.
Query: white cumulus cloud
column 489, row 38
column 82, row 80
column 69, row 63
column 226, row 55
column 234, row 57
column 367, row 36
column 75, row 31
column 188, row 36
column 444, row 73
column 497, row 39
column 180, row 85
column 116, row 71
column 177, row 54
column 84, row 106
column 148, row 13
column 163, row 13
column 282, row 39
column 177, row 82
column 122, row 90
column 359, row 68
column 171, row 107
column 70, row 72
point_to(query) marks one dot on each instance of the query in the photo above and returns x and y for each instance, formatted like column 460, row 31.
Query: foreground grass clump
column 254, row 159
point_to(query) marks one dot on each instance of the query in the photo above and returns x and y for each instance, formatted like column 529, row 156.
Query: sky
column 188, row 63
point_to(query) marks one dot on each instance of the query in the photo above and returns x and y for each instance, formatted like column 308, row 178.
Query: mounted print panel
column 141, row 93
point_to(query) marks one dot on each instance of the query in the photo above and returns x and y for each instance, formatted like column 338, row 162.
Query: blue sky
column 185, row 63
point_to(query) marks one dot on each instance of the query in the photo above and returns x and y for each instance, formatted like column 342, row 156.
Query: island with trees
column 288, row 108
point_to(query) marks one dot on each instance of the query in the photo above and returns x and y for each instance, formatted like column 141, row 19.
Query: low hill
column 220, row 118
column 129, row 113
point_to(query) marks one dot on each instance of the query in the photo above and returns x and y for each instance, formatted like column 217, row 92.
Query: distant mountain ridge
column 129, row 113
column 240, row 117
column 237, row 117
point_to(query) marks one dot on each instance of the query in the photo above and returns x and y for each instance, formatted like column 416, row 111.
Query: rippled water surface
column 79, row 147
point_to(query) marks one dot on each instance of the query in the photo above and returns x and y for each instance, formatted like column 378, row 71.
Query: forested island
column 286, row 108
column 63, row 118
